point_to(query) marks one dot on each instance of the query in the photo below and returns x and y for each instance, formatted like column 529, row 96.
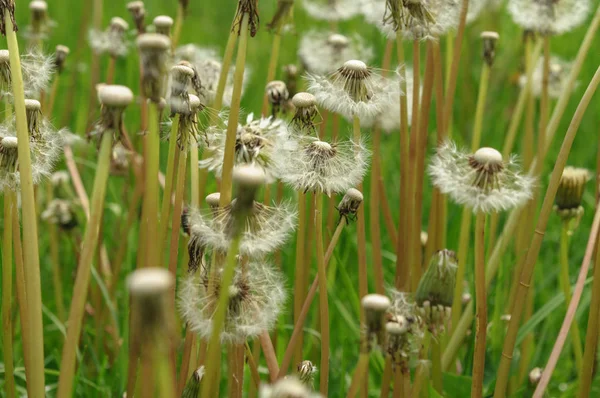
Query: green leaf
column 456, row 386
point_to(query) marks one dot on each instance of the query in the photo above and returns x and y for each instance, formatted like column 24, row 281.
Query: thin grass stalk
column 360, row 374
column 544, row 98
column 178, row 25
column 363, row 288
column 169, row 179
column 31, row 261
column 255, row 353
column 110, row 70
column 300, row 271
column 270, row 356
column 570, row 316
column 386, row 378
column 565, row 283
column 273, row 60
column 82, row 280
column 232, row 122
column 453, row 71
column 177, row 210
column 55, row 259
column 591, row 335
column 298, row 325
column 323, row 303
column 7, row 293
column 331, row 212
column 481, row 303
column 402, row 262
column 51, row 100
column 184, row 371
column 465, row 223
column 253, row 367
column 212, row 363
column 97, row 13
column 532, row 254
column 153, row 258
column 419, row 171
column 20, row 288
column 374, row 219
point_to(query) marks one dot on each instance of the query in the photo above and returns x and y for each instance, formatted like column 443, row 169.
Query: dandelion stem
column 270, row 357
column 565, row 284
column 80, row 290
column 534, row 248
column 31, row 261
column 323, row 303
column 169, row 179
column 591, row 335
column 110, row 71
column 402, row 261
column 252, row 365
column 374, row 218
column 178, row 25
column 184, row 371
column 386, row 378
column 544, row 99
column 177, row 210
column 299, row 323
column 50, row 106
column 7, row 282
column 481, row 303
column 195, row 192
column 436, row 365
column 271, row 72
column 570, row 316
column 232, row 122
column 55, row 257
column 153, row 259
column 97, row 11
column 300, row 270
column 359, row 374
column 363, row 288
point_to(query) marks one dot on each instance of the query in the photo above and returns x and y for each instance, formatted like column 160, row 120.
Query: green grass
column 207, row 25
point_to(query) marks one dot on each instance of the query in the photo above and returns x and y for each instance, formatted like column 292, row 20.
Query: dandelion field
column 402, row 350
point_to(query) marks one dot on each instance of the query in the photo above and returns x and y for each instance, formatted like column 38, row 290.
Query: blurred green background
column 207, row 25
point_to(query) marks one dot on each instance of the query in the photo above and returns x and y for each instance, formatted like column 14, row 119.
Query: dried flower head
column 331, row 10
column 207, row 65
column 415, row 19
column 535, row 375
column 290, row 72
column 257, row 143
column 281, row 14
column 349, row 204
column 163, row 24
column 375, row 307
column 288, row 387
column 113, row 100
column 266, row 228
column 37, row 70
column 149, row 291
column 7, row 7
column 187, row 128
column 256, row 297
column 180, row 80
column 138, row 13
column 482, row 181
column 62, row 213
column 404, row 329
column 306, row 111
column 557, row 77
column 353, row 90
column 489, row 46
column 323, row 52
column 549, row 17
column 60, row 56
column 249, row 7
column 112, row 40
column 192, row 387
column 308, row 164
column 306, row 372
column 154, row 52
column 570, row 195
column 277, row 94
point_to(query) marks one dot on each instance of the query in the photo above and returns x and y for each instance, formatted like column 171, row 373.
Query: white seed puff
column 549, row 16
column 322, row 52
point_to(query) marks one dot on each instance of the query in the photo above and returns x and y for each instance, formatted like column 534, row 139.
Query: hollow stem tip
column 163, row 24
column 148, row 288
column 248, row 179
column 489, row 46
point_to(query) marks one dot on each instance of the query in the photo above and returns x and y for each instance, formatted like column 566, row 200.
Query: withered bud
column 33, row 109
column 60, row 57
column 249, row 7
column 163, row 24
column 535, row 376
column 153, row 48
column 375, row 306
column 149, row 291
column 138, row 13
column 306, row 111
column 489, row 46
column 290, row 72
column 277, row 94
column 7, row 6
column 349, row 204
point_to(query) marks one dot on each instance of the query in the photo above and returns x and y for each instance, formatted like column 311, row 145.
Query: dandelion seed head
column 266, row 229
column 482, row 181
column 535, row 375
column 255, row 301
column 213, row 200
column 115, row 96
column 163, row 24
column 37, row 70
column 336, row 10
column 571, row 187
column 404, row 329
column 374, row 307
column 60, row 177
column 308, row 164
column 288, row 387
column 60, row 212
column 549, row 17
column 277, row 94
column 306, row 372
column 118, row 24
column 557, row 78
column 138, row 13
column 148, row 289
column 389, row 118
column 60, row 56
column 323, row 52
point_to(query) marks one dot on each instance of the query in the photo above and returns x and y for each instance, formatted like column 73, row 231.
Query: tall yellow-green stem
column 153, row 258
column 31, row 260
column 7, row 283
column 300, row 270
column 169, row 179
column 524, row 281
column 360, row 228
column 271, row 72
column 565, row 284
column 82, row 280
column 234, row 113
column 323, row 303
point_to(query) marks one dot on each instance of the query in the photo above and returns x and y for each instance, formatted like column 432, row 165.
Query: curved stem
column 80, row 290
column 534, row 248
column 31, row 261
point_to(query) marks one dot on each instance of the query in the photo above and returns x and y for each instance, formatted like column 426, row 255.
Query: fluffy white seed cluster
column 404, row 329
column 389, row 119
column 309, row 164
column 323, row 52
column 549, row 16
column 332, row 10
column 258, row 142
column 482, row 181
column 113, row 40
column 207, row 65
column 37, row 70
column 256, row 298
column 557, row 77
column 353, row 90
column 285, row 388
